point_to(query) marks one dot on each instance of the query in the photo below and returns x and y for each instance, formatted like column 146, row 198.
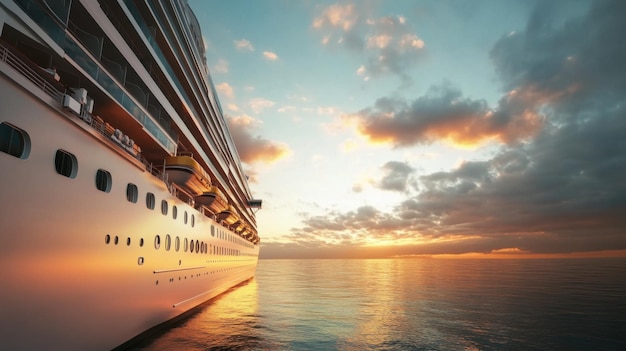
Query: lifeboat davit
column 187, row 173
column 229, row 216
column 213, row 200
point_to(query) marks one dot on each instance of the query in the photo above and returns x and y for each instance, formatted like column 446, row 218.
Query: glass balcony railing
column 150, row 36
column 55, row 30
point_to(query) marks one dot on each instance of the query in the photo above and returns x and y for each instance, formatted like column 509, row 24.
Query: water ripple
column 415, row 304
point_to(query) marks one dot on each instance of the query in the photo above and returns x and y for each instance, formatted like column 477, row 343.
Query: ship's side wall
column 88, row 269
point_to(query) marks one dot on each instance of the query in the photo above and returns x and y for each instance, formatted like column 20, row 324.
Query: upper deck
column 140, row 67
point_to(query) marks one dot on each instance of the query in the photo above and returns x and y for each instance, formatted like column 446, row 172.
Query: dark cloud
column 252, row 148
column 557, row 185
column 572, row 61
column 443, row 113
column 397, row 176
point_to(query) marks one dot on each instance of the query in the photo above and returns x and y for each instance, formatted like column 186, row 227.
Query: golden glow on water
column 520, row 254
column 209, row 325
column 382, row 313
column 412, row 304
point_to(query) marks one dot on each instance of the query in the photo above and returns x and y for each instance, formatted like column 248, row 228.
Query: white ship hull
column 88, row 263
column 63, row 285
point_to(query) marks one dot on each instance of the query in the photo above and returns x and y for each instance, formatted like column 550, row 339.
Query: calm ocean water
column 414, row 304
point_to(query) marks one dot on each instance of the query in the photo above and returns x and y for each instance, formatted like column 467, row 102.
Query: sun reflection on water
column 229, row 319
column 402, row 304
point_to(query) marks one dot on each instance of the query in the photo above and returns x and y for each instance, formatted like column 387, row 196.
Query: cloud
column 397, row 177
column 328, row 110
column 224, row 89
column 270, row 55
column 362, row 71
column 287, row 108
column 349, row 145
column 338, row 16
column 555, row 185
column 259, row 104
column 244, row 45
column 396, row 48
column 254, row 149
column 221, row 66
column 443, row 114
column 388, row 44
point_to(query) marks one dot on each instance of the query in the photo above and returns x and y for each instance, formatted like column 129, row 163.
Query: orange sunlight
column 520, row 254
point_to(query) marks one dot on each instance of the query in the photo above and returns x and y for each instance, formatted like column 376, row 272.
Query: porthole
column 127, row 241
column 212, row 230
column 191, row 247
column 193, row 221
column 174, row 212
column 103, row 180
column 66, row 164
column 116, row 240
column 141, row 242
column 177, row 244
column 157, row 242
column 131, row 193
column 185, row 217
column 186, row 244
column 197, row 246
column 150, row 202
column 164, row 207
column 168, row 242
column 107, row 239
column 14, row 141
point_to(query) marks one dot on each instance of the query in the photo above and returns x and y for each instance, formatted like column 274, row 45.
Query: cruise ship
column 123, row 202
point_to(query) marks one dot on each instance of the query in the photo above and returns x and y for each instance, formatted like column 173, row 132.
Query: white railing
column 13, row 60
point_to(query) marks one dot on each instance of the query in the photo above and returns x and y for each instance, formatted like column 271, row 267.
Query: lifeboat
column 187, row 173
column 228, row 216
column 213, row 200
column 239, row 227
column 250, row 235
column 245, row 232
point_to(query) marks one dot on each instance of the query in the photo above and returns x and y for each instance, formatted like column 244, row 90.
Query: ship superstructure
column 123, row 202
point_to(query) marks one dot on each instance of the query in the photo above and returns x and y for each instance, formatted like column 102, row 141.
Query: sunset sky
column 404, row 127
